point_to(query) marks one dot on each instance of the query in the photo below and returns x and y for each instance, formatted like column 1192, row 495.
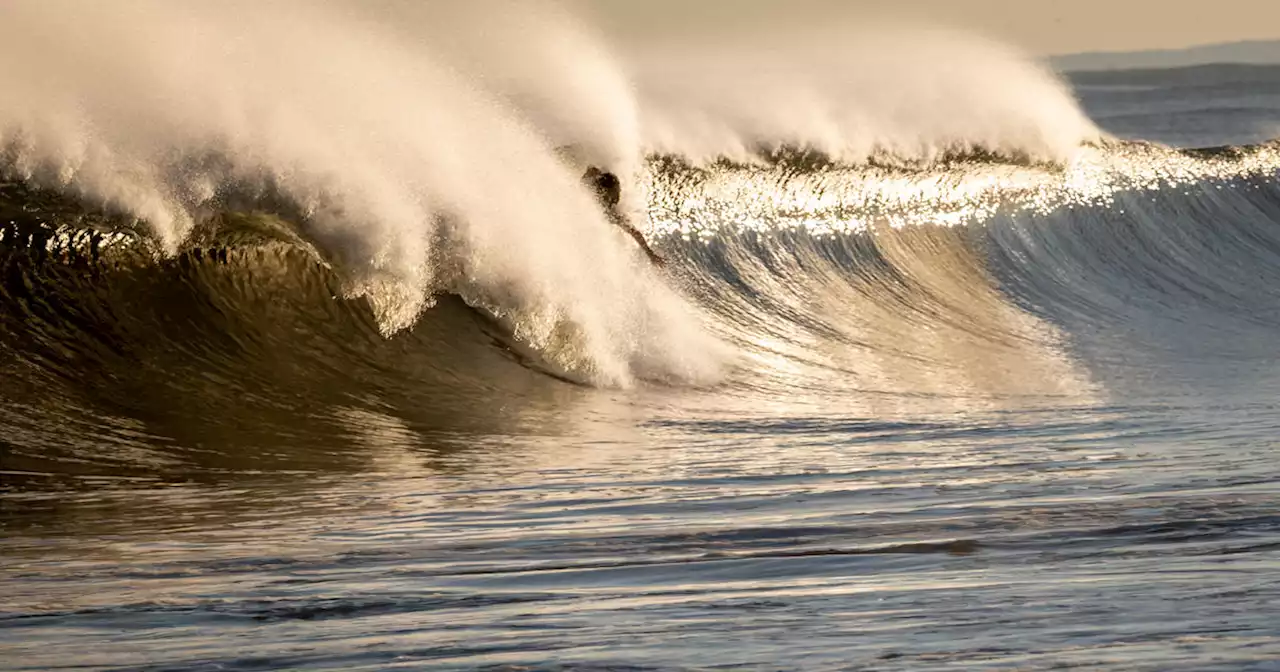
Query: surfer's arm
column 644, row 244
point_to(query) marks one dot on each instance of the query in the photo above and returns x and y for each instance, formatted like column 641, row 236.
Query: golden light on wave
column 980, row 347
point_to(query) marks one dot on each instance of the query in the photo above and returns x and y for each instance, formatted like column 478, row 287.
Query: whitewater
column 317, row 352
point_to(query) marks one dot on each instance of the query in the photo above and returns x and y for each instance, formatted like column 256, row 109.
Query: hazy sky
column 1041, row 26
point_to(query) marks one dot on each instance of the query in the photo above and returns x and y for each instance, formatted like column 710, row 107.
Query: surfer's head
column 606, row 185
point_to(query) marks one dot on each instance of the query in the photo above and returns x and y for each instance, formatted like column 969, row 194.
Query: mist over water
column 852, row 93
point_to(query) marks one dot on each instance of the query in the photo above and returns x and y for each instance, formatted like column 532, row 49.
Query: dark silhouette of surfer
column 608, row 190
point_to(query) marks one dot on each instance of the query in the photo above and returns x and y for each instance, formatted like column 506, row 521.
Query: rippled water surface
column 1140, row 536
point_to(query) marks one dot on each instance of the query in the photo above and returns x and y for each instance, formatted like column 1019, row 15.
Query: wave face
column 1135, row 271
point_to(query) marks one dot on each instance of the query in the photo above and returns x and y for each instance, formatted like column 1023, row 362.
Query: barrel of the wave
column 608, row 190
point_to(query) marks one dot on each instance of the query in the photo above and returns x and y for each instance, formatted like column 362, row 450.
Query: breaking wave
column 811, row 273
column 270, row 215
column 425, row 148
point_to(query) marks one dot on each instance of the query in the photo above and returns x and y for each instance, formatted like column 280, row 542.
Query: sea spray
column 853, row 93
column 379, row 141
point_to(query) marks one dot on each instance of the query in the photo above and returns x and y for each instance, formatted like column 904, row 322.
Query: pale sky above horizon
column 1039, row 26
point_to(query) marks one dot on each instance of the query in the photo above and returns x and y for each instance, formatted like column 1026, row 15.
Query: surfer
column 608, row 190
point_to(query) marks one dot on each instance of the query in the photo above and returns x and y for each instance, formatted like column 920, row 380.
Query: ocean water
column 937, row 375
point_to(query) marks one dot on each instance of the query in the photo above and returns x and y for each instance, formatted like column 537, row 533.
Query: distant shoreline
column 1256, row 52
